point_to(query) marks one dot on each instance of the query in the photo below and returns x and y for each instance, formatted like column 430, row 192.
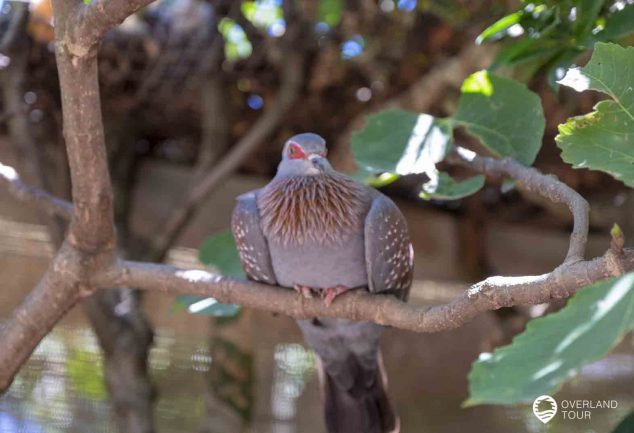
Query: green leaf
column 237, row 44
column 498, row 29
column 219, row 251
column 330, row 12
column 587, row 13
column 618, row 24
column 261, row 13
column 603, row 139
column 554, row 347
column 507, row 55
column 84, row 370
column 206, row 306
column 402, row 142
column 398, row 142
column 626, row 425
column 506, row 116
column 557, row 67
column 444, row 187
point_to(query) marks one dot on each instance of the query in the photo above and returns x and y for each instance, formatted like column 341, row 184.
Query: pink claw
column 329, row 294
column 305, row 291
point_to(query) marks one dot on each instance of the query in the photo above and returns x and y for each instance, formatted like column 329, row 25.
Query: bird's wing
column 250, row 241
column 388, row 250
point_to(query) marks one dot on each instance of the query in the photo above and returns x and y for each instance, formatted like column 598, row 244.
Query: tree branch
column 292, row 78
column 18, row 22
column 490, row 294
column 35, row 197
column 92, row 226
column 533, row 180
column 56, row 293
column 94, row 19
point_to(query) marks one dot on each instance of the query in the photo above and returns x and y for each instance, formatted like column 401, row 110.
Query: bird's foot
column 329, row 294
column 305, row 291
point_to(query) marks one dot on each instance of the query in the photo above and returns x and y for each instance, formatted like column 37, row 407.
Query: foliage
column 218, row 251
column 444, row 187
column 330, row 12
column 554, row 347
column 86, row 375
column 502, row 113
column 626, row 425
column 549, row 35
column 507, row 119
column 237, row 45
column 603, row 139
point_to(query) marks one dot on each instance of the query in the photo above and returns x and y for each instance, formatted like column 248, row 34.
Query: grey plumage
column 371, row 248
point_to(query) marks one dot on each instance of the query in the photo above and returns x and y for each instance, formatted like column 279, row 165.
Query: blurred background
column 205, row 93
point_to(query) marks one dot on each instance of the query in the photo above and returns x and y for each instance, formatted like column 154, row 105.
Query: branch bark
column 92, row 226
column 490, row 294
column 56, row 293
column 33, row 196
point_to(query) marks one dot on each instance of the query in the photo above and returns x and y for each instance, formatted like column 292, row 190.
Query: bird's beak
column 318, row 161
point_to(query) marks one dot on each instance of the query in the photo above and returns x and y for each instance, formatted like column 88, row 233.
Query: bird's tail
column 365, row 408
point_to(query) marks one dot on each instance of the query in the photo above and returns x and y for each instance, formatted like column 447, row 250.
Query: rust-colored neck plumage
column 322, row 208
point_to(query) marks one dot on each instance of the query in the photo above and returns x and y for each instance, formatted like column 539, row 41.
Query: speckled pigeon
column 319, row 231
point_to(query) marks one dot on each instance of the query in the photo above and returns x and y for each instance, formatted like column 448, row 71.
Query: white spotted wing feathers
column 250, row 241
column 388, row 249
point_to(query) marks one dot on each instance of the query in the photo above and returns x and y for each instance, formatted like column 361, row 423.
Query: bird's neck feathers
column 321, row 208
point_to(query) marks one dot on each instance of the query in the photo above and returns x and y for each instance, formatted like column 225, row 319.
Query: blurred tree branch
column 291, row 80
column 9, row 38
column 33, row 196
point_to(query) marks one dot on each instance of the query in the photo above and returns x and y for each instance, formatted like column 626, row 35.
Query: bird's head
column 304, row 155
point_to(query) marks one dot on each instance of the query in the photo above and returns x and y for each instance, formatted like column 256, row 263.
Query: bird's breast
column 320, row 265
column 311, row 210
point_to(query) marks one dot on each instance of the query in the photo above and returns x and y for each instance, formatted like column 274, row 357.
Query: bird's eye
column 295, row 152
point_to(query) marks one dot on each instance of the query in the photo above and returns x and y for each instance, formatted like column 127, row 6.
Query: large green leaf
column 505, row 115
column 402, row 142
column 444, row 187
column 218, row 251
column 398, row 142
column 554, row 347
column 603, row 139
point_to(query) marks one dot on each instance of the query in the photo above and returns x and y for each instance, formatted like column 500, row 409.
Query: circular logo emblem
column 545, row 408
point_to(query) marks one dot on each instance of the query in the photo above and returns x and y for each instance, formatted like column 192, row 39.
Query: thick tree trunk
column 125, row 337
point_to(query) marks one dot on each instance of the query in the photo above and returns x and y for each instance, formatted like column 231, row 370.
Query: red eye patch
column 295, row 152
